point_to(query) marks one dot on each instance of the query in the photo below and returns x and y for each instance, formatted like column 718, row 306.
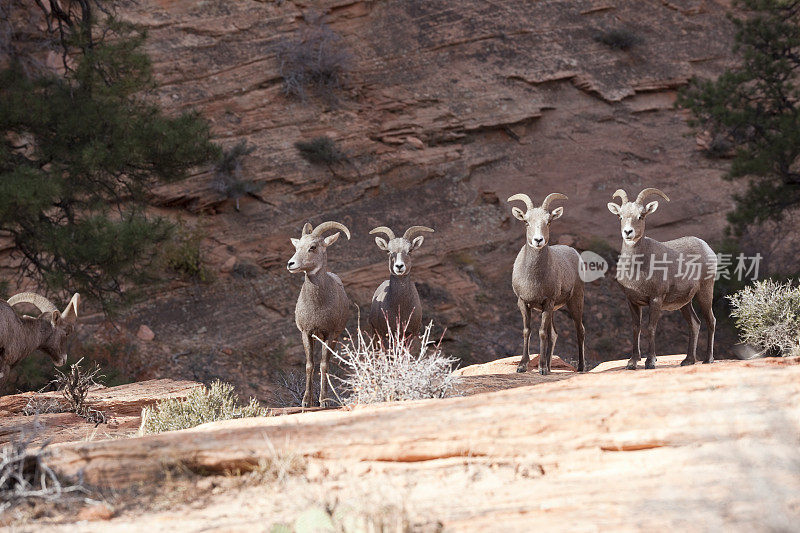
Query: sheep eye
column 313, row 248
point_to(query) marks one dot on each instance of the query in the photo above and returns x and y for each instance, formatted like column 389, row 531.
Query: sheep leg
column 525, row 309
column 324, row 401
column 5, row 370
column 636, row 314
column 705, row 299
column 575, row 307
column 553, row 339
column 545, row 339
column 308, row 346
column 694, row 329
column 652, row 322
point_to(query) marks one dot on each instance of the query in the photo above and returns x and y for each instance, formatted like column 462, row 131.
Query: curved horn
column 524, row 197
column 413, row 230
column 383, row 229
column 71, row 311
column 553, row 196
column 622, row 195
column 647, row 192
column 329, row 225
column 42, row 304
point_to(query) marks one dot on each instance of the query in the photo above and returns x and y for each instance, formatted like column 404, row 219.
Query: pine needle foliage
column 80, row 152
column 755, row 106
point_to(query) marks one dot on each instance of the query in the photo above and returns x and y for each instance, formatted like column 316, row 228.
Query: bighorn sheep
column 22, row 335
column 657, row 274
column 396, row 301
column 546, row 278
column 323, row 306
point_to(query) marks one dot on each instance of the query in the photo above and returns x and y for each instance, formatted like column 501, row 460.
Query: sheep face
column 537, row 222
column 311, row 253
column 631, row 216
column 59, row 330
column 399, row 251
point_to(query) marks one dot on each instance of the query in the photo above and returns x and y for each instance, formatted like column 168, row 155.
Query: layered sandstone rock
column 709, row 445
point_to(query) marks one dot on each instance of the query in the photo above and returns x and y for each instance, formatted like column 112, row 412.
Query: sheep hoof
column 708, row 361
column 521, row 369
column 544, row 371
column 650, row 364
column 687, row 362
column 631, row 365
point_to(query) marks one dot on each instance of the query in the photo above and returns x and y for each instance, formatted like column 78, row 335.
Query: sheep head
column 632, row 214
column 311, row 254
column 59, row 326
column 400, row 248
column 537, row 219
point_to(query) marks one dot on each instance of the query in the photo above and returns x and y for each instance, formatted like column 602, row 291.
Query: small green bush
column 228, row 180
column 184, row 257
column 320, row 151
column 217, row 402
column 618, row 39
column 767, row 314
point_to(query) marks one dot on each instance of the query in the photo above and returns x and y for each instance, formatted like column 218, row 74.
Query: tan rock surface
column 698, row 448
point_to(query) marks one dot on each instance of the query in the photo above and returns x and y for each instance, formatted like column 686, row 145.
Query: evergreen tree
column 80, row 151
column 754, row 108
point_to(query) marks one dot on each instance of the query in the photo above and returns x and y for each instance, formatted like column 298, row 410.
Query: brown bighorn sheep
column 22, row 335
column 323, row 306
column 546, row 278
column 396, row 301
column 656, row 274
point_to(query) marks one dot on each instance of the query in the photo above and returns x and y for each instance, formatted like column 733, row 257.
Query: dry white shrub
column 25, row 476
column 389, row 370
column 767, row 314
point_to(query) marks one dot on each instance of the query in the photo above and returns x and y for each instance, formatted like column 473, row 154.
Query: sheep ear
column 650, row 208
column 54, row 317
column 307, row 228
column 382, row 244
column 518, row 213
column 330, row 239
column 295, row 242
column 417, row 242
column 556, row 213
column 613, row 207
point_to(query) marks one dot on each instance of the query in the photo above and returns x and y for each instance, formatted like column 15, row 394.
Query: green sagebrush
column 767, row 315
column 201, row 405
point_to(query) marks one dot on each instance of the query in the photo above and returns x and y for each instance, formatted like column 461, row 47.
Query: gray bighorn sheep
column 396, row 301
column 22, row 335
column 323, row 307
column 546, row 278
column 656, row 274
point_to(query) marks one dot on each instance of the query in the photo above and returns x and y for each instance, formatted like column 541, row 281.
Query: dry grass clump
column 767, row 315
column 389, row 370
column 25, row 477
column 208, row 404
